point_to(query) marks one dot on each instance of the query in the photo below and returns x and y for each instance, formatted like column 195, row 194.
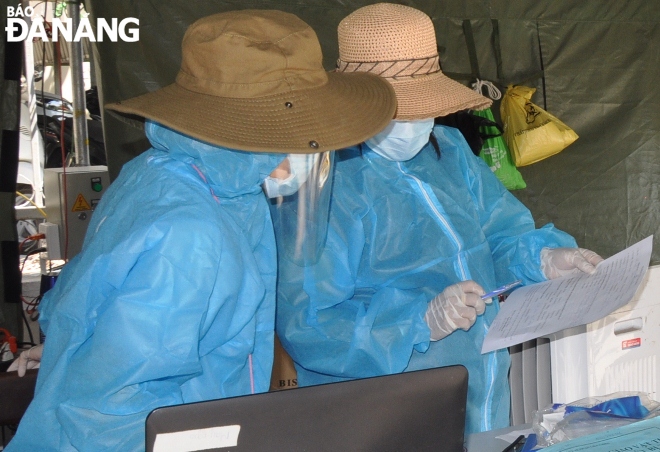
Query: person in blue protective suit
column 415, row 238
column 172, row 299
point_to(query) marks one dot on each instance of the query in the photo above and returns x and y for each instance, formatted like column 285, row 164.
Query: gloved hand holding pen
column 456, row 307
column 558, row 262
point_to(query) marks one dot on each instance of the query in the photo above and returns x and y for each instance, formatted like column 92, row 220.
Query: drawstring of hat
column 493, row 92
column 218, row 201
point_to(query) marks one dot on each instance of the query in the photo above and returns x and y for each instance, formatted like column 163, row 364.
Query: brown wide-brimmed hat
column 398, row 43
column 253, row 80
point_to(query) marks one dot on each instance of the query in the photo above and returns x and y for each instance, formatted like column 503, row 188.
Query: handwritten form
column 550, row 306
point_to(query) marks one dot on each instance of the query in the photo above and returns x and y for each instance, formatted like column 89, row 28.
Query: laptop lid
column 421, row 410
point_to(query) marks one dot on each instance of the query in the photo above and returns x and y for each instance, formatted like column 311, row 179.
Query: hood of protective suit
column 229, row 172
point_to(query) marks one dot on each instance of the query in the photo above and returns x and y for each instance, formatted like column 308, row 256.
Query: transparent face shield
column 299, row 193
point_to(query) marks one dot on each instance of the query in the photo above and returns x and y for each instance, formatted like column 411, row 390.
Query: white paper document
column 550, row 306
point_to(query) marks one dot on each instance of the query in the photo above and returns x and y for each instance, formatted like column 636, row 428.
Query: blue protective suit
column 399, row 233
column 172, row 299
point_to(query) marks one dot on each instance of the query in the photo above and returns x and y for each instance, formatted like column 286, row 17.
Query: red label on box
column 631, row 343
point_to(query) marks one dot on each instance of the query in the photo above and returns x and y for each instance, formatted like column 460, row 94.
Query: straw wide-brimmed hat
column 253, row 80
column 398, row 43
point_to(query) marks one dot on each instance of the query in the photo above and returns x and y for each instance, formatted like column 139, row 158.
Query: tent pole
column 80, row 136
column 36, row 143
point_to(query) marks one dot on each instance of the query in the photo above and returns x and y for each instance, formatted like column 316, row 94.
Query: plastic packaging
column 497, row 155
column 559, row 423
column 531, row 133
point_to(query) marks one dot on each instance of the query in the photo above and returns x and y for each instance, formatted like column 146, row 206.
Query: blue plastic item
column 557, row 424
column 630, row 406
column 530, row 443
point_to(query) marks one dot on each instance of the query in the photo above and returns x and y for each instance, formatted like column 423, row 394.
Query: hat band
column 394, row 69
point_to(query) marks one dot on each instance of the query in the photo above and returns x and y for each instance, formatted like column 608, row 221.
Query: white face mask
column 301, row 165
column 401, row 140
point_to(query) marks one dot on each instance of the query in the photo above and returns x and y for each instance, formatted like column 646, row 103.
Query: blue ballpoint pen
column 501, row 290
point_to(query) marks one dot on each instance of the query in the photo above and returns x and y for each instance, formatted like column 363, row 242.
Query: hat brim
column 345, row 111
column 434, row 95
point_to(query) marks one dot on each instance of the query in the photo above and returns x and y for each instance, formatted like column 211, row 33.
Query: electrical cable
column 27, row 325
column 34, row 315
column 43, row 76
column 38, row 250
column 34, row 303
column 30, row 238
column 33, row 203
column 63, row 152
column 511, row 447
column 52, row 269
column 58, row 55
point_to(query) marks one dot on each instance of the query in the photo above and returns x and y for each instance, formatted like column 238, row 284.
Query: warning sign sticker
column 80, row 204
column 631, row 343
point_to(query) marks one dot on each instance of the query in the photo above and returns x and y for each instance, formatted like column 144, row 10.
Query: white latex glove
column 558, row 262
column 29, row 359
column 456, row 307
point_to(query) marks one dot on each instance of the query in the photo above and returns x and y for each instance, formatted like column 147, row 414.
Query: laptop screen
column 421, row 410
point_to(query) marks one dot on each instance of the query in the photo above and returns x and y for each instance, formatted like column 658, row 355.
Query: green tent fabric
column 599, row 61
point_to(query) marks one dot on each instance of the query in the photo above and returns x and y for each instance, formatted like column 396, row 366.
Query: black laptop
column 411, row 411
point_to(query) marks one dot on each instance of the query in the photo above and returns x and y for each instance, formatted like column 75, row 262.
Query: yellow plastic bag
column 531, row 133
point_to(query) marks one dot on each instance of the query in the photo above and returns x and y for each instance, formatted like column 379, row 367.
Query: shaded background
column 599, row 60
column 595, row 65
